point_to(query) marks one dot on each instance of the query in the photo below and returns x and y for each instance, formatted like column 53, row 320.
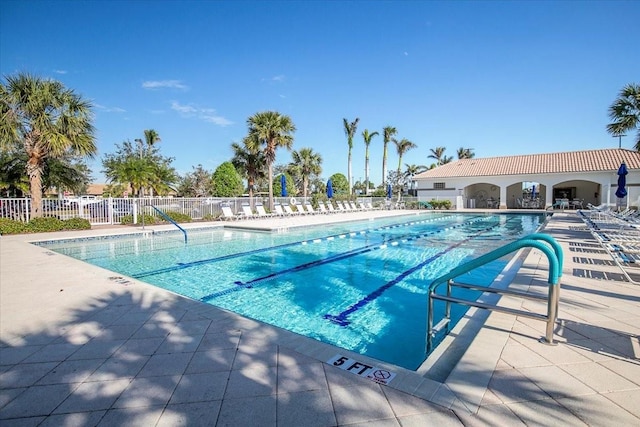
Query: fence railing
column 110, row 211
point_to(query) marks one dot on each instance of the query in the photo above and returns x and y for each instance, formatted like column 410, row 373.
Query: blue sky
column 502, row 78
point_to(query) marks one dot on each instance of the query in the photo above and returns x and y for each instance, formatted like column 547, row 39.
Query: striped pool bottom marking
column 181, row 266
column 341, row 319
column 354, row 252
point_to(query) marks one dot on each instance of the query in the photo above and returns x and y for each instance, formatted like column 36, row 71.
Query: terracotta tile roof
column 535, row 164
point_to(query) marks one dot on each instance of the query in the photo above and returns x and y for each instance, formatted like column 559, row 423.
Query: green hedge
column 42, row 225
column 152, row 219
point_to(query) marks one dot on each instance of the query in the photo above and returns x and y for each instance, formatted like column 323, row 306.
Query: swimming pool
column 361, row 285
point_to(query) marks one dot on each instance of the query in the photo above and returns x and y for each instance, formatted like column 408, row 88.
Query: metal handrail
column 168, row 218
column 544, row 243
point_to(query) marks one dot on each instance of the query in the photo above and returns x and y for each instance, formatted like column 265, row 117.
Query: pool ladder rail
column 544, row 243
column 168, row 218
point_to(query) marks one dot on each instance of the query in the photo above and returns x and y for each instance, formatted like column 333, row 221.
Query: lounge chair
column 330, row 207
column 227, row 213
column 261, row 212
column 278, row 208
column 289, row 211
column 246, row 211
column 340, row 206
column 310, row 209
column 322, row 209
column 300, row 209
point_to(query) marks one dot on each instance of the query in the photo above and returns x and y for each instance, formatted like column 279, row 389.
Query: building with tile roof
column 534, row 180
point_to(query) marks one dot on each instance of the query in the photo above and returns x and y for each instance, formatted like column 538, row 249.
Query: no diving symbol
column 382, row 375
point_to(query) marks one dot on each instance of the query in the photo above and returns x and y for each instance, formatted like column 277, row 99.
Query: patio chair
column 289, row 211
column 261, row 212
column 310, row 209
column 246, row 211
column 278, row 208
column 300, row 209
column 227, row 213
column 330, row 207
column 322, row 209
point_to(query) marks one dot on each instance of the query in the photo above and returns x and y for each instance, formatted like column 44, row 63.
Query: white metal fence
column 114, row 210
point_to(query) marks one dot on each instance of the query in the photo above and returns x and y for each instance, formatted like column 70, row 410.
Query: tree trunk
column 35, row 182
column 349, row 172
column 271, row 205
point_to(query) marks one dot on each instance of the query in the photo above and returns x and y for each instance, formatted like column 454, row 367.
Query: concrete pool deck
column 80, row 345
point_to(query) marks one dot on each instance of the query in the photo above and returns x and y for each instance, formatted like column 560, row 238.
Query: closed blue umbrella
column 533, row 192
column 329, row 189
column 283, row 185
column 389, row 192
column 621, row 192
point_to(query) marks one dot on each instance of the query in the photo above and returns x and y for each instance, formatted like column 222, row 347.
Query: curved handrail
column 534, row 240
column 168, row 218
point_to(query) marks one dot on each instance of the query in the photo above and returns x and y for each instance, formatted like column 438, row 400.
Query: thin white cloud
column 183, row 109
column 406, row 54
column 164, row 84
column 109, row 109
column 275, row 79
column 60, row 71
column 206, row 114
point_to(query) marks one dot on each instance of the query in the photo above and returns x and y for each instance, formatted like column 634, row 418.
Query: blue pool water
column 361, row 286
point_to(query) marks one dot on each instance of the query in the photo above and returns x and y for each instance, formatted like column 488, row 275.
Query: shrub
column 41, row 225
column 9, row 226
column 148, row 219
column 177, row 216
column 440, row 204
column 76, row 224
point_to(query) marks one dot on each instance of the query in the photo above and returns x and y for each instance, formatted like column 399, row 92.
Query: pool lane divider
column 181, row 265
column 341, row 319
column 338, row 257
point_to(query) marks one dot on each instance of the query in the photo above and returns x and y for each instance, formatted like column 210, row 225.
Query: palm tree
column 308, row 164
column 625, row 113
column 350, row 131
column 411, row 171
column 249, row 162
column 151, row 137
column 48, row 121
column 402, row 147
column 269, row 130
column 388, row 134
column 367, row 140
column 437, row 153
column 465, row 153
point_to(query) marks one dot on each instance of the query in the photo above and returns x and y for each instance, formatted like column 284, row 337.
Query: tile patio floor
column 78, row 348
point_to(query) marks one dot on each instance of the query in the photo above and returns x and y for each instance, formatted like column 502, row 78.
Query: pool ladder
column 168, row 218
column 544, row 243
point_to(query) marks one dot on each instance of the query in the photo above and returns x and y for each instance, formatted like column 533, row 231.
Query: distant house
column 508, row 182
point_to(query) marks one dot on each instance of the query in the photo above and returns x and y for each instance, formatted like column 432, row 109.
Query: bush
column 76, row 224
column 177, row 216
column 9, row 226
column 440, row 204
column 148, row 219
column 42, row 225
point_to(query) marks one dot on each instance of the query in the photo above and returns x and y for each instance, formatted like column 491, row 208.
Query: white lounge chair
column 261, row 212
column 227, row 213
column 310, row 209
column 300, row 209
column 289, row 211
column 278, row 208
column 246, row 211
column 330, row 207
column 322, row 209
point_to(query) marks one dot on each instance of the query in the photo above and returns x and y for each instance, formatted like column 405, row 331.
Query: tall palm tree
column 625, row 113
column 367, row 140
column 308, row 164
column 402, row 147
column 249, row 162
column 151, row 137
column 269, row 130
column 48, row 121
column 465, row 153
column 350, row 132
column 437, row 154
column 388, row 133
column 411, row 171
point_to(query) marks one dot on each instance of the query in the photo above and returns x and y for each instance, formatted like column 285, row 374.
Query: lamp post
column 620, row 135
